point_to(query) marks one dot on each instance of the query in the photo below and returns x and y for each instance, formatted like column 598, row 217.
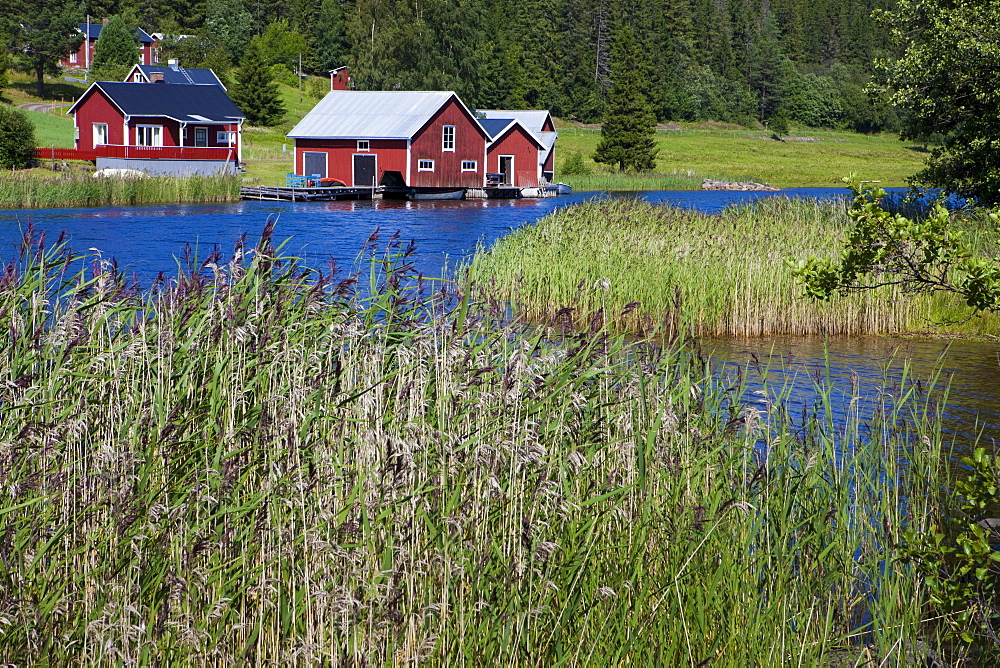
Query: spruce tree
column 629, row 127
column 255, row 92
column 115, row 52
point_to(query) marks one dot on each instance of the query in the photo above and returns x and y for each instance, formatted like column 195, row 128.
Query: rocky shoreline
column 711, row 184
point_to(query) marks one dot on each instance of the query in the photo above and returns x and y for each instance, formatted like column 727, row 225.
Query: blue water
column 148, row 239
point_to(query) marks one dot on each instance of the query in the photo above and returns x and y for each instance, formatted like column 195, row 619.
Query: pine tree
column 4, row 63
column 255, row 92
column 115, row 52
column 629, row 129
column 44, row 33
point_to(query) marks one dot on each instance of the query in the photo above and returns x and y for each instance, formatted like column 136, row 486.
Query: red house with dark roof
column 159, row 128
column 426, row 139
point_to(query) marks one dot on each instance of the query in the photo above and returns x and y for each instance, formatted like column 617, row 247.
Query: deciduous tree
column 629, row 127
column 946, row 85
column 886, row 249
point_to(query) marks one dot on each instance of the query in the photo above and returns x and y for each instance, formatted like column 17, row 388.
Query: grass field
column 256, row 464
column 750, row 155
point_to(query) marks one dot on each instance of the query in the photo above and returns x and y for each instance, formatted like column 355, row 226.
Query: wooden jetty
column 306, row 193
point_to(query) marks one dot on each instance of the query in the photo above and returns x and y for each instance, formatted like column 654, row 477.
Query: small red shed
column 513, row 151
column 430, row 139
column 340, row 79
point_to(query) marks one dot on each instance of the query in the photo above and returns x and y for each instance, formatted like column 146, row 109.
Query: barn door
column 507, row 169
column 364, row 171
column 314, row 162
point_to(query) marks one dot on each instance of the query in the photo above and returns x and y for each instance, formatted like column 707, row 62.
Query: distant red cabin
column 84, row 56
column 366, row 138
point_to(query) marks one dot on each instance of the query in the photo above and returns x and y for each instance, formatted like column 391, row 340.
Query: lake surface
column 147, row 240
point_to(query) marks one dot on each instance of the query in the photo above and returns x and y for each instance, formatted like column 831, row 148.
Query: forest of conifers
column 805, row 61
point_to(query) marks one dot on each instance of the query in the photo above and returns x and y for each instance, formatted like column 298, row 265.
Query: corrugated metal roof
column 183, row 75
column 533, row 119
column 353, row 114
column 182, row 103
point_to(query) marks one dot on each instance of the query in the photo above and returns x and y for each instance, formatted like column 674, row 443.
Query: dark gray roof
column 183, row 75
column 95, row 32
column 494, row 126
column 189, row 104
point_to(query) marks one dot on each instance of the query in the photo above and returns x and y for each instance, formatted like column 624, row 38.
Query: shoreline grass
column 29, row 191
column 646, row 266
column 255, row 463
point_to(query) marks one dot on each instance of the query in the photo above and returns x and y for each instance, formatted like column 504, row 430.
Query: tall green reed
column 18, row 191
column 662, row 267
column 257, row 462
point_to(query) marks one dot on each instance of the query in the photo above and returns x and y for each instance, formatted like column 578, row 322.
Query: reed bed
column 69, row 190
column 646, row 266
column 255, row 463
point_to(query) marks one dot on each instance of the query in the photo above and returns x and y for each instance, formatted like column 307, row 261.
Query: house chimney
column 174, row 64
column 156, row 77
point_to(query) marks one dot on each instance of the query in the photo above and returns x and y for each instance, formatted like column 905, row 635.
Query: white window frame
column 137, row 77
column 421, row 165
column 225, row 137
column 473, row 168
column 155, row 135
column 448, row 138
column 204, row 131
column 74, row 57
column 363, row 145
column 95, row 133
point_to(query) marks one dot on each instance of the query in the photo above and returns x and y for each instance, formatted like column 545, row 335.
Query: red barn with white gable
column 429, row 139
column 539, row 123
column 514, row 152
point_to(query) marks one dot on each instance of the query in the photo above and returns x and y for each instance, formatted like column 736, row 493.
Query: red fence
column 137, row 153
column 64, row 154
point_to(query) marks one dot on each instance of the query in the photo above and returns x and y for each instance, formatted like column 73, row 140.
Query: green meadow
column 705, row 151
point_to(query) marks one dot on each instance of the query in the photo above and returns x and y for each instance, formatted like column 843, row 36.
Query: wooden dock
column 305, row 194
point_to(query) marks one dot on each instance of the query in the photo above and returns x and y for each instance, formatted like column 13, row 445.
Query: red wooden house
column 428, row 139
column 84, row 56
column 539, row 123
column 514, row 152
column 158, row 128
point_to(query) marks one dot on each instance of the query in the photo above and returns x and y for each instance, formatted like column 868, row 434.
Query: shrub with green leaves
column 17, row 138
